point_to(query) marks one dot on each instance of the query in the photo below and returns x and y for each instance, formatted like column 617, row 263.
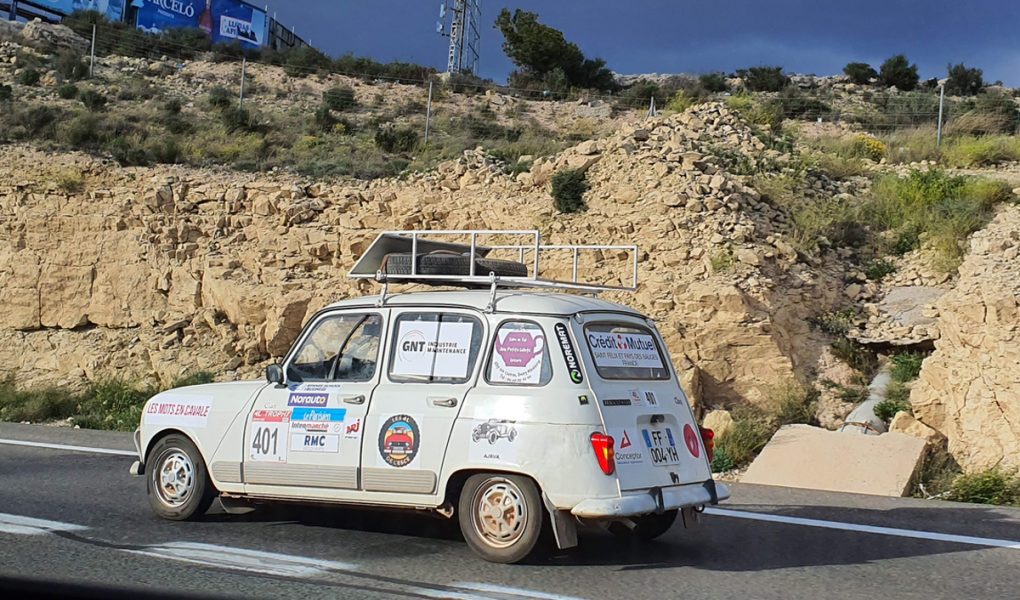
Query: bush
column 757, row 111
column 751, row 430
column 681, row 101
column 984, row 151
column 128, row 151
column 993, row 486
column 71, row 67
column 568, row 188
column 165, row 150
column 6, row 93
column 714, row 82
column 906, row 366
column 29, row 77
column 220, row 97
column 963, row 81
column 860, row 73
column 793, row 404
column 83, row 132
column 339, row 98
column 764, row 79
column 992, row 113
column 237, row 119
column 305, row 61
column 396, row 139
column 878, row 269
column 858, row 357
column 196, row 378
column 93, row 100
column 67, row 91
column 888, row 408
column 865, row 146
column 897, row 72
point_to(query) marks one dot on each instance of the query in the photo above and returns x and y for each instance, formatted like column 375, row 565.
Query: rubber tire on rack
column 452, row 264
column 528, row 541
column 203, row 492
column 647, row 527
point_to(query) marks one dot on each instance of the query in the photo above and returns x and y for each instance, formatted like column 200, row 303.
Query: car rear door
column 657, row 440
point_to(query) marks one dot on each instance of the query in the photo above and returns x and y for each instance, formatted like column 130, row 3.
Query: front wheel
column 501, row 516
column 178, row 485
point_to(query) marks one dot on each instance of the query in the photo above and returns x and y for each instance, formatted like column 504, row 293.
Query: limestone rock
column 904, row 422
column 719, row 421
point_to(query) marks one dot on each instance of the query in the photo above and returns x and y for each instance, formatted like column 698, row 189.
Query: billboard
column 225, row 20
column 113, row 9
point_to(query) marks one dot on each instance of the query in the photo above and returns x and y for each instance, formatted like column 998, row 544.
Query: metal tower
column 464, row 33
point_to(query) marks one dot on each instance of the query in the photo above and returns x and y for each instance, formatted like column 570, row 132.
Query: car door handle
column 354, row 399
column 447, row 402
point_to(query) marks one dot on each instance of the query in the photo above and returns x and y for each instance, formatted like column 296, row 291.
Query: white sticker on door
column 269, row 435
column 428, row 348
column 179, row 410
column 624, row 350
column 314, row 442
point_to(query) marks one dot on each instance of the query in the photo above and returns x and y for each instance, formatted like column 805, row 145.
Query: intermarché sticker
column 563, row 338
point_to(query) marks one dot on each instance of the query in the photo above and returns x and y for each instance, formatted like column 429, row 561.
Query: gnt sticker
column 569, row 356
column 180, row 410
column 494, row 441
column 308, row 399
column 268, row 437
column 518, row 355
column 431, row 349
column 399, row 439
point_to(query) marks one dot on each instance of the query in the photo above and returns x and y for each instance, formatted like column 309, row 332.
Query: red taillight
column 708, row 438
column 604, row 451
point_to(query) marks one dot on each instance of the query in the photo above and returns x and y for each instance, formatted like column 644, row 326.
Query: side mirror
column 274, row 374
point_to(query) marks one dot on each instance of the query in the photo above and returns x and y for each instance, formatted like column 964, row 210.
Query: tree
column 897, row 71
column 963, row 81
column 714, row 82
column 764, row 79
column 539, row 50
column 860, row 73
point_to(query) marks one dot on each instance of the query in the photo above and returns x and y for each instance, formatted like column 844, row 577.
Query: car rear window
column 623, row 351
column 520, row 355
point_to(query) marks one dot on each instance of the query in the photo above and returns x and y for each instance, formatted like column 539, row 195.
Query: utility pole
column 428, row 113
column 13, row 14
column 244, row 70
column 942, row 100
column 92, row 54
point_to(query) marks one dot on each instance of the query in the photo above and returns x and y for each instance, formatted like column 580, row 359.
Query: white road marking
column 256, row 561
column 19, row 525
column 857, row 528
column 512, row 591
column 71, row 448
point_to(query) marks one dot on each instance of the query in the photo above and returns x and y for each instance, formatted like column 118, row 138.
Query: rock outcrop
column 969, row 389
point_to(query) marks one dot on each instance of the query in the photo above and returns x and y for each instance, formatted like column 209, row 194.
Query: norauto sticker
column 569, row 356
column 308, row 399
column 180, row 410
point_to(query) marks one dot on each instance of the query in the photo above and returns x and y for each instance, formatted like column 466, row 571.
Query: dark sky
column 670, row 36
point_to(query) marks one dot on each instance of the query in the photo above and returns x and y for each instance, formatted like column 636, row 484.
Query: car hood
column 232, row 391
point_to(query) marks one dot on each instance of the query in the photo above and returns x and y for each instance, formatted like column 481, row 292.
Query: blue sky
column 670, row 36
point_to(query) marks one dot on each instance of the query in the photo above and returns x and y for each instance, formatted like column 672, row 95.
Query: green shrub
column 128, row 151
column 723, row 261
column 220, row 97
column 993, row 486
column 6, row 93
column 986, row 151
column 196, row 378
column 714, row 82
column 865, row 146
column 764, row 79
column 396, row 139
column 92, row 100
column 237, row 119
column 339, row 98
column 906, row 366
column 757, row 111
column 888, row 408
column 857, row 356
column 29, row 77
column 681, row 101
column 912, row 144
column 568, row 188
column 112, row 404
column 68, row 91
column 165, row 150
column 963, row 81
column 897, row 72
column 836, row 322
column 795, row 104
column 860, row 73
column 876, row 270
column 305, row 61
column 792, row 403
column 39, row 121
column 71, row 67
column 37, row 405
column 721, row 461
column 83, row 131
column 898, row 392
column 751, row 430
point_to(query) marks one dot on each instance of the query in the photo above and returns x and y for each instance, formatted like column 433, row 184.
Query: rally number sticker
column 269, row 436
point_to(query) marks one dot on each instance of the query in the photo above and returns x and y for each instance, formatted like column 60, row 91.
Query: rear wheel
column 501, row 516
column 179, row 486
column 647, row 527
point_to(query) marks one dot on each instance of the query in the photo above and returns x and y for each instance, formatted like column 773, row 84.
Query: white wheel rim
column 500, row 513
column 174, row 479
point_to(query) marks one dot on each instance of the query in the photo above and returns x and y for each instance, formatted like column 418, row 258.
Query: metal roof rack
column 419, row 243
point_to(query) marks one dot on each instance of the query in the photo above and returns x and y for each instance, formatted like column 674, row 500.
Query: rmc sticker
column 180, row 410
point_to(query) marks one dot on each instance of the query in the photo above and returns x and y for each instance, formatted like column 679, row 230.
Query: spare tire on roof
column 449, row 263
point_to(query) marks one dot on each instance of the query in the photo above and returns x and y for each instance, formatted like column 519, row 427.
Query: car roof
column 507, row 301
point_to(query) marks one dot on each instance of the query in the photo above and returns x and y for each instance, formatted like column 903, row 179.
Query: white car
column 511, row 410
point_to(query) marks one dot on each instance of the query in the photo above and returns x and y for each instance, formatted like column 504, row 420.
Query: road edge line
column 68, row 447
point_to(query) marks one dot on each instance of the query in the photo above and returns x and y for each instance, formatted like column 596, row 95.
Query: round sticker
column 691, row 439
column 398, row 440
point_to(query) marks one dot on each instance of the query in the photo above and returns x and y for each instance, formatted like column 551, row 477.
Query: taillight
column 708, row 438
column 604, row 451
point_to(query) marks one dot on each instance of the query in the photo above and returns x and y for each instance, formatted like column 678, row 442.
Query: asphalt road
column 79, row 517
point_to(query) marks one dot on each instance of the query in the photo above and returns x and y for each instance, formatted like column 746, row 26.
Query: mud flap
column 691, row 516
column 564, row 525
column 235, row 506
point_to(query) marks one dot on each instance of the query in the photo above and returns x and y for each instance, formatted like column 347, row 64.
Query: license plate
column 661, row 444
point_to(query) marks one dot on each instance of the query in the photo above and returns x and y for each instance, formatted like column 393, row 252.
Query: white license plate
column 661, row 444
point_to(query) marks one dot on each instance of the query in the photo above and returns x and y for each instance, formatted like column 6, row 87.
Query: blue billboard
column 224, row 20
column 113, row 9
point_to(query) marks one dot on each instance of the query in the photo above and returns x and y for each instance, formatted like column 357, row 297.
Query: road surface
column 77, row 516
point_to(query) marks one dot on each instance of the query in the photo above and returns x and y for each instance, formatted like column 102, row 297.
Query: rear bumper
column 643, row 503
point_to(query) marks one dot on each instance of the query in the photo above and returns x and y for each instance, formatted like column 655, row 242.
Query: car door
column 432, row 362
column 307, row 433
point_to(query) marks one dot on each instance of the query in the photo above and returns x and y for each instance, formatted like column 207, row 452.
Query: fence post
column 244, row 70
column 428, row 113
column 651, row 108
column 92, row 53
column 942, row 100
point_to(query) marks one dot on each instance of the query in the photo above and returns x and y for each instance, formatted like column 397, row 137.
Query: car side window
column 340, row 348
column 520, row 355
column 432, row 347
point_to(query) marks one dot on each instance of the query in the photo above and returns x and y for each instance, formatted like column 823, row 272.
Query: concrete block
column 802, row 456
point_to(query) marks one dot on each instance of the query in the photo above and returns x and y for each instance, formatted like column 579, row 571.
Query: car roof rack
column 529, row 246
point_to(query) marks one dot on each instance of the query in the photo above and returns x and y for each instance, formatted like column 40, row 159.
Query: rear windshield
column 625, row 352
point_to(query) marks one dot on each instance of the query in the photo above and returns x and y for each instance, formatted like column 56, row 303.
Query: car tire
column 647, row 527
column 451, row 264
column 512, row 535
column 493, row 437
column 178, row 483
